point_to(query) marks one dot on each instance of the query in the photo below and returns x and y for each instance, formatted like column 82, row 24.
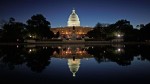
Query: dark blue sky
column 89, row 11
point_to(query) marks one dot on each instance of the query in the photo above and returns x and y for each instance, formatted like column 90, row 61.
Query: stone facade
column 73, row 28
column 68, row 31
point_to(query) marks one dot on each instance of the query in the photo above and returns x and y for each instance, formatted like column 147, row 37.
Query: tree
column 12, row 56
column 57, row 34
column 39, row 59
column 13, row 31
column 39, row 26
column 145, row 32
column 2, row 22
column 140, row 26
column 98, row 32
column 124, row 27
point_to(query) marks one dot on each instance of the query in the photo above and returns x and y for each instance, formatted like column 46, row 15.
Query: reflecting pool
column 75, row 64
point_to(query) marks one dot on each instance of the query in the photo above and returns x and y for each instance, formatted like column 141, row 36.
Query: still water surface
column 75, row 64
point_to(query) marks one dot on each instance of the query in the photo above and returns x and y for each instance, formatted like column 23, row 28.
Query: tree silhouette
column 12, row 55
column 39, row 26
column 13, row 31
column 145, row 32
column 99, row 32
column 2, row 22
column 38, row 60
column 107, row 32
column 107, row 53
column 0, row 34
column 57, row 34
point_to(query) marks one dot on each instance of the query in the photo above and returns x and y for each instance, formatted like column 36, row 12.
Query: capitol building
column 73, row 26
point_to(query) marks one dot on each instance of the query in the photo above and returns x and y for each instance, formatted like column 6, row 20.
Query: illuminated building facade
column 73, row 19
column 73, row 25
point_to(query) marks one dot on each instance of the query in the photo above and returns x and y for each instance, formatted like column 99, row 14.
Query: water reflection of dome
column 74, row 65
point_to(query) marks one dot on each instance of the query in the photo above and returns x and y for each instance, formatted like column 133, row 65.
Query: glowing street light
column 118, row 35
column 30, row 36
column 118, row 49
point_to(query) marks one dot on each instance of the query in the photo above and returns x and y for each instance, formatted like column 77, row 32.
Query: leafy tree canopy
column 13, row 31
column 39, row 26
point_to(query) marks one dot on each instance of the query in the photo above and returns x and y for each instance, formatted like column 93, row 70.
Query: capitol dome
column 73, row 19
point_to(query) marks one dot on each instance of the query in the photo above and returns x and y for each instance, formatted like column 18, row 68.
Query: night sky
column 89, row 11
